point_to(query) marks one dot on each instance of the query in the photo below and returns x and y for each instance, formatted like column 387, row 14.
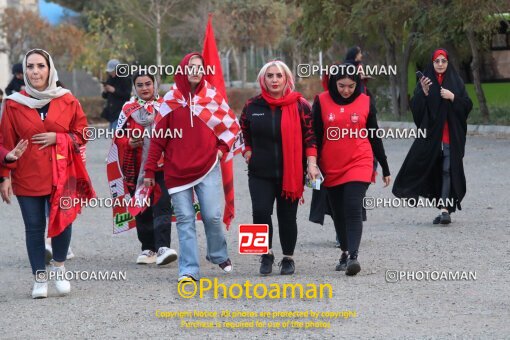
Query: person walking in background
column 355, row 56
column 17, row 83
column 116, row 91
column 434, row 166
column 279, row 147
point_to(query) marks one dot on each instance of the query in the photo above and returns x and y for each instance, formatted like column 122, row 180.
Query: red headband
column 439, row 52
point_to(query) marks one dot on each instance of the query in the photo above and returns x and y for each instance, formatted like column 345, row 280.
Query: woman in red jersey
column 346, row 160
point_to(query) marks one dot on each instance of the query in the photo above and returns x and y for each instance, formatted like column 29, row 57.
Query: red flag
column 212, row 58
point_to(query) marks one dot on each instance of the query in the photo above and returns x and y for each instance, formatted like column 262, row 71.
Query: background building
column 5, row 67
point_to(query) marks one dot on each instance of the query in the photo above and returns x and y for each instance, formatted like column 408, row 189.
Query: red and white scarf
column 208, row 105
column 123, row 216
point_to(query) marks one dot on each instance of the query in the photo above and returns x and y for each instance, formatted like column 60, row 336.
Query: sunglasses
column 440, row 61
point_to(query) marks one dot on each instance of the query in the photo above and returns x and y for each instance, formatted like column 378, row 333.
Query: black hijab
column 352, row 53
column 345, row 70
column 421, row 173
column 451, row 81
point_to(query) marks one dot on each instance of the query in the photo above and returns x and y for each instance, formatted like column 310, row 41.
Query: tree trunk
column 252, row 57
column 243, row 67
column 74, row 83
column 475, row 69
column 391, row 60
column 237, row 64
column 404, row 100
column 158, row 40
column 262, row 52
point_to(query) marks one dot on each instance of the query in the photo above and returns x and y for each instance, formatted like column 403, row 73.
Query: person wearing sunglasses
column 433, row 167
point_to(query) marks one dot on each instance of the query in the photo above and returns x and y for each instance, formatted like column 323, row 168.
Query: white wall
column 5, row 68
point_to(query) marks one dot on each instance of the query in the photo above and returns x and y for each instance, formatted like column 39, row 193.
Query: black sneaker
column 266, row 264
column 353, row 266
column 437, row 220
column 226, row 266
column 342, row 264
column 445, row 218
column 287, row 266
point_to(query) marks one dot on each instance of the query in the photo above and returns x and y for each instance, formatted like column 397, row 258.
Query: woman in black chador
column 433, row 167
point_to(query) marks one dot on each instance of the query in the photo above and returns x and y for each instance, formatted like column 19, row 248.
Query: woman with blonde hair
column 278, row 135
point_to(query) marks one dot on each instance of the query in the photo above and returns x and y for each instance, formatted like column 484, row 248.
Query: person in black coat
column 17, row 83
column 116, row 91
column 433, row 167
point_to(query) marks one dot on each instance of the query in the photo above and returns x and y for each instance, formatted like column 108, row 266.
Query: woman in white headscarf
column 52, row 120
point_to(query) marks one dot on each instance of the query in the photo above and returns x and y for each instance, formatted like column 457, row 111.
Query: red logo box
column 253, row 239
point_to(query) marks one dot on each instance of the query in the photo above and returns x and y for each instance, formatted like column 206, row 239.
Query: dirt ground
column 394, row 239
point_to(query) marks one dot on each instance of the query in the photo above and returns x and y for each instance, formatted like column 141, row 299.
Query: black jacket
column 115, row 100
column 14, row 86
column 421, row 172
column 262, row 134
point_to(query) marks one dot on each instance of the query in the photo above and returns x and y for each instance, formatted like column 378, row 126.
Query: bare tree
column 151, row 13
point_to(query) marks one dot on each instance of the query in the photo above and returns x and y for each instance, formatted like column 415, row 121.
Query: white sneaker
column 186, row 278
column 63, row 286
column 48, row 254
column 70, row 254
column 40, row 290
column 146, row 257
column 165, row 256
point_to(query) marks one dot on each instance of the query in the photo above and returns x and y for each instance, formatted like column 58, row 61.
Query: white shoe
column 40, row 290
column 48, row 254
column 146, row 257
column 63, row 286
column 186, row 278
column 70, row 254
column 165, row 256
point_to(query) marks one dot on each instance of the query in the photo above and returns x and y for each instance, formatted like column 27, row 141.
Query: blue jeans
column 33, row 210
column 209, row 196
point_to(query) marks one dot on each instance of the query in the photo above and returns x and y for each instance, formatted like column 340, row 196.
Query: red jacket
column 32, row 173
column 3, row 153
column 189, row 158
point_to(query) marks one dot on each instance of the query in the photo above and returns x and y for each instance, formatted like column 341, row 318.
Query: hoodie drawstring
column 191, row 107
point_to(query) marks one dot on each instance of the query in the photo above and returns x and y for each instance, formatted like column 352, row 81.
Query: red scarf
column 292, row 143
column 439, row 77
column 70, row 182
column 435, row 55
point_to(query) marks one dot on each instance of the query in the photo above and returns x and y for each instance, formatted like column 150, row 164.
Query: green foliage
column 260, row 22
column 105, row 40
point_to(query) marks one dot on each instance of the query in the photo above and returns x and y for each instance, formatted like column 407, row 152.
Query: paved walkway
column 398, row 239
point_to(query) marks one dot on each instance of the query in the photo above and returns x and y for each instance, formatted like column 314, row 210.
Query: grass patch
column 496, row 94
